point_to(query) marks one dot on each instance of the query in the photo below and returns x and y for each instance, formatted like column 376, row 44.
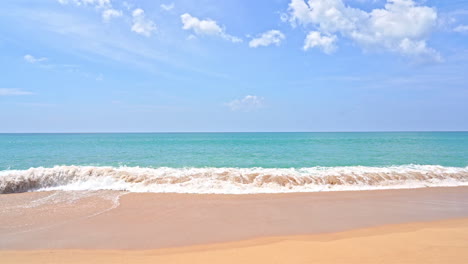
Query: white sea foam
column 230, row 180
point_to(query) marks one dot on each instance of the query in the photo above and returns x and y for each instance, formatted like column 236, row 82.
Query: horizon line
column 232, row 132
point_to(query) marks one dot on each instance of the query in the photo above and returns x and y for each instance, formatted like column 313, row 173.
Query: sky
column 233, row 65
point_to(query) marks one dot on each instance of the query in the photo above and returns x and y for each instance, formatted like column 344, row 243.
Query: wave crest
column 230, row 180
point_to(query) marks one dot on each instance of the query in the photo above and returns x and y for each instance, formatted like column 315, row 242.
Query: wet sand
column 95, row 220
column 433, row 242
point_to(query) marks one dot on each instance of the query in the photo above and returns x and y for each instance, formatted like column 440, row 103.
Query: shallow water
column 237, row 150
column 233, row 163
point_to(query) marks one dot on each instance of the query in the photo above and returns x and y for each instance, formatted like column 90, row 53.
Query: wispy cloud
column 31, row 59
column 461, row 29
column 105, row 6
column 69, row 68
column 108, row 14
column 13, row 91
column 96, row 3
column 247, row 104
column 207, row 27
column 272, row 37
column 167, row 7
column 80, row 35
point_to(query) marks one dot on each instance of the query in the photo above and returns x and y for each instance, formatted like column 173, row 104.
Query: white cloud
column 402, row 26
column 284, row 17
column 191, row 37
column 31, row 59
column 461, row 29
column 205, row 27
column 248, row 103
column 142, row 25
column 167, row 7
column 268, row 38
column 108, row 14
column 10, row 91
column 105, row 5
column 315, row 39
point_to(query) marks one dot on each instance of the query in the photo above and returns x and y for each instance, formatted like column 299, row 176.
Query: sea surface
column 232, row 162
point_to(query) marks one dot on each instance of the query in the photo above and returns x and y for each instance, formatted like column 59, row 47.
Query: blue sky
column 234, row 65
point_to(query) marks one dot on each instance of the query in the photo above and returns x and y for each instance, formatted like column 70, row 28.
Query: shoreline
column 109, row 220
column 417, row 242
column 231, row 180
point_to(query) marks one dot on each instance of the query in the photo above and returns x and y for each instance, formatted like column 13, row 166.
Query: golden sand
column 391, row 226
column 433, row 242
column 36, row 221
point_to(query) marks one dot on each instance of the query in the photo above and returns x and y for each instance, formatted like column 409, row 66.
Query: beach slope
column 432, row 242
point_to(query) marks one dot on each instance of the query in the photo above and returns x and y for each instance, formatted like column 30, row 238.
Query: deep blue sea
column 212, row 159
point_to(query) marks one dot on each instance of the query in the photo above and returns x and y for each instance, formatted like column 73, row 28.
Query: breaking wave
column 230, row 180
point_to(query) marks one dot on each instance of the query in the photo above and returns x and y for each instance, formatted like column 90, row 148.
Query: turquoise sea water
column 233, row 163
column 244, row 150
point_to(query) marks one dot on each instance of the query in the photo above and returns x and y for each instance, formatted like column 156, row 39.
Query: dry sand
column 434, row 242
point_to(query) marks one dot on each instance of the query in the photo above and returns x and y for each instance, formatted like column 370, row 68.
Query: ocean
column 232, row 163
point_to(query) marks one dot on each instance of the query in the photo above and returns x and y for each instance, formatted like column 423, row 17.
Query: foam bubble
column 230, row 180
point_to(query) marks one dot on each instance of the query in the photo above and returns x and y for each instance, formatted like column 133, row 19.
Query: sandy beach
column 387, row 226
column 246, row 132
column 433, row 242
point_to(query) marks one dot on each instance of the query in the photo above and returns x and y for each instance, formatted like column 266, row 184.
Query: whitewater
column 212, row 180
